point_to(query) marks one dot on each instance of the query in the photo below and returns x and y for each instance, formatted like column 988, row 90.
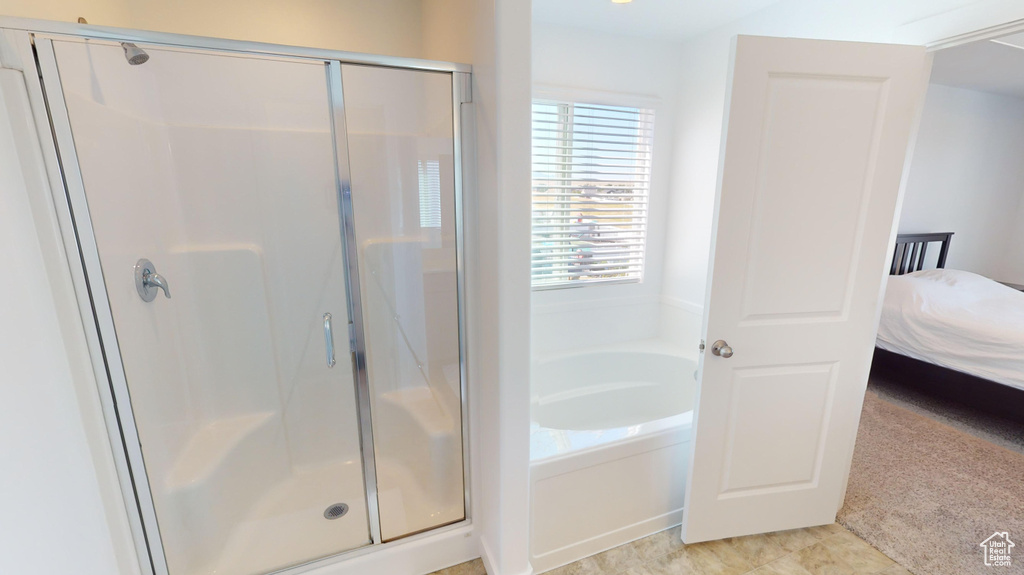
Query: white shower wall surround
column 296, row 388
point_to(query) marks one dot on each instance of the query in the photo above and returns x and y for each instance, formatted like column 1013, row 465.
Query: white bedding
column 958, row 320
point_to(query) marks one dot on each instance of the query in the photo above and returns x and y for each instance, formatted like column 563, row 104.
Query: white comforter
column 958, row 320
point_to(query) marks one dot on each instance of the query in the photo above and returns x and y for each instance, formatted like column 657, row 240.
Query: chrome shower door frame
column 95, row 293
column 462, row 103
column 350, row 256
column 462, row 100
column 70, row 201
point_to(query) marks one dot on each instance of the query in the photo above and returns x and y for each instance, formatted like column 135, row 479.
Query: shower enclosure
column 270, row 262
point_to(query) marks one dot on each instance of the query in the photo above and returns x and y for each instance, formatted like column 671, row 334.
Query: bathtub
column 609, row 448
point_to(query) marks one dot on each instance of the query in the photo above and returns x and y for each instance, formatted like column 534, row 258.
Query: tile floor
column 826, row 550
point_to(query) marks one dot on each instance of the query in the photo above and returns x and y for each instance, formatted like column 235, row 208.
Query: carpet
column 927, row 494
column 992, row 428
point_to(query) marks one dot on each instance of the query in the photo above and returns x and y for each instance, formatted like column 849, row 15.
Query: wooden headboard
column 911, row 248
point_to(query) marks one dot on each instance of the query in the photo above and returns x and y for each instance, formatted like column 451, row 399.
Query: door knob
column 147, row 281
column 721, row 349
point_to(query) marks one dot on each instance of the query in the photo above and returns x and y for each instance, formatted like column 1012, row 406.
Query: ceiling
column 989, row 66
column 663, row 19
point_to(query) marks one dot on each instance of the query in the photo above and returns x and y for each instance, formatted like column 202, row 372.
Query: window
column 591, row 182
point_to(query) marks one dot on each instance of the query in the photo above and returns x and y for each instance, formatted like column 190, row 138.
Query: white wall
column 447, row 28
column 435, row 29
column 498, row 265
column 573, row 63
column 56, row 488
column 703, row 64
column 967, row 177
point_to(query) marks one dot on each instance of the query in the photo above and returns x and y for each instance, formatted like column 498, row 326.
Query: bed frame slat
column 910, row 251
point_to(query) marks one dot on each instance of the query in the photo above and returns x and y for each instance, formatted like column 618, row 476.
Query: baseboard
column 600, row 543
column 486, row 557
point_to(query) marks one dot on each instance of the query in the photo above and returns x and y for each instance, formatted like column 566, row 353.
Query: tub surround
column 546, row 443
column 609, row 447
column 582, row 399
column 586, row 502
column 665, row 346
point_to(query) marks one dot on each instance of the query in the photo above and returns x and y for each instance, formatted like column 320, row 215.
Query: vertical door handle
column 329, row 340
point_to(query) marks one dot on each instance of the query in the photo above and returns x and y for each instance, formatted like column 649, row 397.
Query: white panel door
column 816, row 137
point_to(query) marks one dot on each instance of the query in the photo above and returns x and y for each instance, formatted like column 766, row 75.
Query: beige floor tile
column 678, row 562
column 737, row 555
column 787, row 565
column 862, row 557
column 581, row 567
column 616, row 560
column 823, row 531
column 793, row 539
column 820, row 559
column 474, row 567
column 717, row 558
column 661, row 543
column 639, row 570
column 824, row 550
column 756, row 549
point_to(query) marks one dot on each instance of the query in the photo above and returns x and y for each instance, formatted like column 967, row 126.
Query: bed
column 951, row 333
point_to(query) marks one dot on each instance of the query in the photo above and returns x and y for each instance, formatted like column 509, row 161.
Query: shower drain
column 335, row 511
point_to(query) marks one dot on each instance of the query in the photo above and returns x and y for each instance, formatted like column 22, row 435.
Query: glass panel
column 220, row 170
column 403, row 196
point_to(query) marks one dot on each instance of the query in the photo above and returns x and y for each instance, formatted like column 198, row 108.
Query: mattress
column 956, row 319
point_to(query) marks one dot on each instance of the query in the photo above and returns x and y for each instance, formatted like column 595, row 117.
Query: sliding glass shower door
column 211, row 184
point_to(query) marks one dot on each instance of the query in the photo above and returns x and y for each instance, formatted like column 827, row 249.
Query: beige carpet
column 926, row 494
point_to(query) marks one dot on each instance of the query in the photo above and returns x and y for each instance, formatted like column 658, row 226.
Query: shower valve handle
column 147, row 281
column 155, row 280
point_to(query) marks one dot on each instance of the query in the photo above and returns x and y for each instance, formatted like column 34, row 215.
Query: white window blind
column 429, row 180
column 591, row 183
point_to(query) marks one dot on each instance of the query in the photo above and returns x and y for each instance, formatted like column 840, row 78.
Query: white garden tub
column 609, row 449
